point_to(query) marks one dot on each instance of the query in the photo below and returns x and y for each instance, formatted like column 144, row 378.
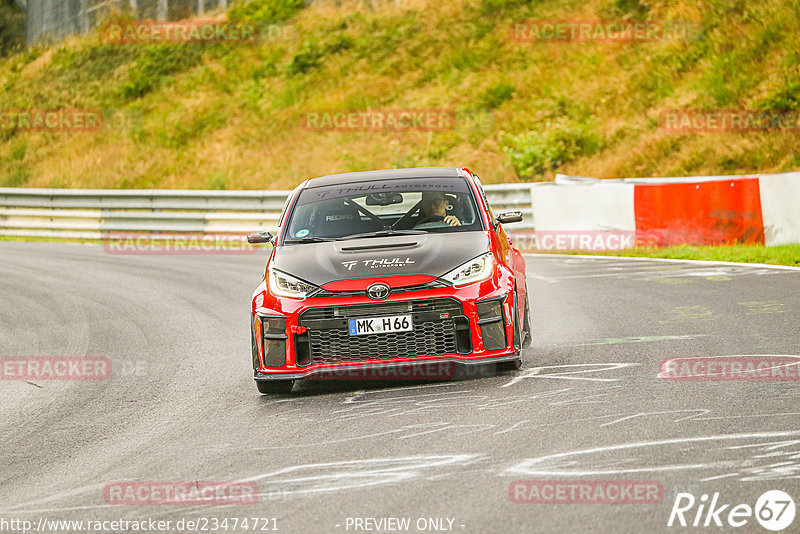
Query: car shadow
column 311, row 387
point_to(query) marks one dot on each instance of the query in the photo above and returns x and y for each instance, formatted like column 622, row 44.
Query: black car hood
column 432, row 254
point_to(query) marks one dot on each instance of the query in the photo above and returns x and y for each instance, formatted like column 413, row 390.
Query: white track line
column 666, row 260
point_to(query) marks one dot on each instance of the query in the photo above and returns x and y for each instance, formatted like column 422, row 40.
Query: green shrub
column 16, row 178
column 631, row 7
column 339, row 43
column 311, row 54
column 378, row 43
column 179, row 133
column 495, row 95
column 534, row 153
column 489, row 7
column 217, row 182
column 787, row 97
column 94, row 62
column 18, row 151
column 264, row 10
column 306, row 59
column 156, row 64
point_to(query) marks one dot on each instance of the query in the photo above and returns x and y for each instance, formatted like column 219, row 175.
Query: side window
column 483, row 196
column 285, row 206
column 283, row 210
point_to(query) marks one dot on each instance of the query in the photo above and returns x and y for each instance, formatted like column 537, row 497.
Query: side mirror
column 510, row 217
column 259, row 237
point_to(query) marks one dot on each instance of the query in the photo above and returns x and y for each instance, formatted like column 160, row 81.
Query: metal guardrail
column 95, row 213
column 57, row 19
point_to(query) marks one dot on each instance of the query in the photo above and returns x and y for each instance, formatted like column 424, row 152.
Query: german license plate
column 380, row 325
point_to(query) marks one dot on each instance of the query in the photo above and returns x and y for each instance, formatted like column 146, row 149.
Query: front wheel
column 267, row 387
column 526, row 325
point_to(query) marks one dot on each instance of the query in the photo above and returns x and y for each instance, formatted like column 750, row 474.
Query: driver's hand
column 452, row 220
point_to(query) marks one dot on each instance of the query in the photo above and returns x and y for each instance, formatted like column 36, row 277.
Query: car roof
column 387, row 174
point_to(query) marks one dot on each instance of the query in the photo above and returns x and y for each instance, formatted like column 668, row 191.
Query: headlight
column 473, row 271
column 283, row 285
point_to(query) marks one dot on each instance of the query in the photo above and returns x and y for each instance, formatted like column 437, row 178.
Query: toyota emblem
column 378, row 291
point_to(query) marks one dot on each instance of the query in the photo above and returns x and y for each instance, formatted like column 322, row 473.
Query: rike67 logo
column 774, row 510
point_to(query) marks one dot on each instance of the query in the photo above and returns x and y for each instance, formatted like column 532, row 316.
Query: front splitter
column 433, row 369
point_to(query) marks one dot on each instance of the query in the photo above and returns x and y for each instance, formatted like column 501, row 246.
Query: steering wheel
column 430, row 219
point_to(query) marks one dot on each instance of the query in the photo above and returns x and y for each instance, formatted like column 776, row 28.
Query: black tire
column 256, row 361
column 526, row 325
column 518, row 330
column 513, row 365
column 269, row 387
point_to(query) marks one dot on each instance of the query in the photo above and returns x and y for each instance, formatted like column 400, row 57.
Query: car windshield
column 381, row 208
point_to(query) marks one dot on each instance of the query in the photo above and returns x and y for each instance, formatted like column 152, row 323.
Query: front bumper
column 294, row 339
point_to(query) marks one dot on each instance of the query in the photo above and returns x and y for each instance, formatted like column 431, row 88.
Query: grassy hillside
column 231, row 116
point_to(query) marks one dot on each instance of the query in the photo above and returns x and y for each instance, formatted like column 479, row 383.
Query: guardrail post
column 83, row 17
column 162, row 10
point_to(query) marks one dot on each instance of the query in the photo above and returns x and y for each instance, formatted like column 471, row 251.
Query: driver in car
column 434, row 209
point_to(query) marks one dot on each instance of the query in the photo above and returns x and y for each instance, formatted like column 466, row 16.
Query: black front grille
column 328, row 339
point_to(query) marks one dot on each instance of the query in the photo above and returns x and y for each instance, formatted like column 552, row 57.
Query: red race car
column 387, row 269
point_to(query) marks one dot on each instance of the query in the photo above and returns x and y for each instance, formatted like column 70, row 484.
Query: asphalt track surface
column 587, row 405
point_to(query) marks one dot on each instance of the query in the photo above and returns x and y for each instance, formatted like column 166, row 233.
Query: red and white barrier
column 577, row 213
column 703, row 213
column 780, row 207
